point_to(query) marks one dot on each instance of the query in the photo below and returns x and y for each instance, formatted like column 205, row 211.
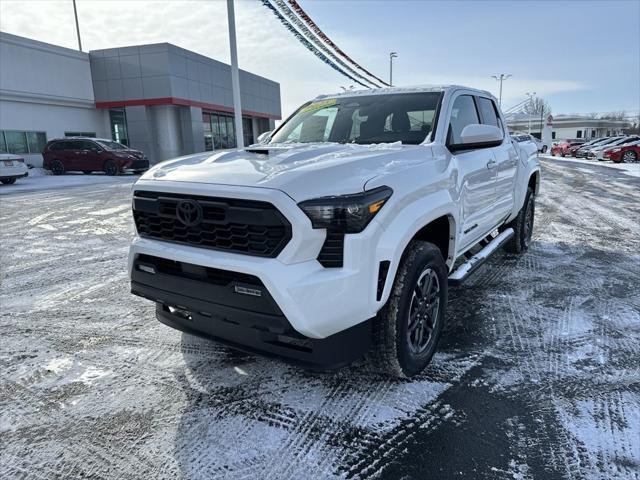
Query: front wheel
column 8, row 181
column 111, row 168
column 407, row 329
column 544, row 149
column 522, row 225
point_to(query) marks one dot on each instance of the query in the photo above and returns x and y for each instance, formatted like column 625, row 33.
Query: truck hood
column 302, row 171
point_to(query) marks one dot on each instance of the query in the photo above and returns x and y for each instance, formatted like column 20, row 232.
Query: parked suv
column 340, row 234
column 92, row 155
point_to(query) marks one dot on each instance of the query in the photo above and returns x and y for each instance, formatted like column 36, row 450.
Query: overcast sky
column 582, row 56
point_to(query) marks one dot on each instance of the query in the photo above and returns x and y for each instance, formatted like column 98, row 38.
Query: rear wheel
column 629, row 157
column 57, row 167
column 8, row 181
column 111, row 168
column 522, row 225
column 407, row 329
column 544, row 149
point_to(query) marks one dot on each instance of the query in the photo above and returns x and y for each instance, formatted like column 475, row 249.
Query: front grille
column 332, row 253
column 240, row 226
column 140, row 164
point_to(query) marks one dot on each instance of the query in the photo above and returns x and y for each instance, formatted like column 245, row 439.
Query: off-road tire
column 111, row 168
column 522, row 225
column 391, row 352
column 57, row 167
column 8, row 181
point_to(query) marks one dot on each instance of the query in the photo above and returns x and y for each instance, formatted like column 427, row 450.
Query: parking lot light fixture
column 501, row 79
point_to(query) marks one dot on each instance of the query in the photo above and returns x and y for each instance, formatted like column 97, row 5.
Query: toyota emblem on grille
column 189, row 212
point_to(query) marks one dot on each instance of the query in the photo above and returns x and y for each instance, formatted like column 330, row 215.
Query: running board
column 470, row 266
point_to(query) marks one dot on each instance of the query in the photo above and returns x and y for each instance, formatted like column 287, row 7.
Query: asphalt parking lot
column 537, row 376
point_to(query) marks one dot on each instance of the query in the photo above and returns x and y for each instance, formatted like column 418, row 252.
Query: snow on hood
column 301, row 170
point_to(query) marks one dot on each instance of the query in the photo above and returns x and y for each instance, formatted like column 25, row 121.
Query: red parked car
column 563, row 148
column 624, row 153
column 92, row 155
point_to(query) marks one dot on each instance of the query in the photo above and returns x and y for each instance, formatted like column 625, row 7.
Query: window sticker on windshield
column 319, row 105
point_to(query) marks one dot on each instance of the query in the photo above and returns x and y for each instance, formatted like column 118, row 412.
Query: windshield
column 112, row 145
column 401, row 117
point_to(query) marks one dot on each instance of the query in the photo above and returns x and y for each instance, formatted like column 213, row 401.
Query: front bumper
column 207, row 302
column 316, row 302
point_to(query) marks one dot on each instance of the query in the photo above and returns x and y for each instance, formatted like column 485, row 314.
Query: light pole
column 392, row 55
column 235, row 77
column 75, row 13
column 531, row 96
column 501, row 79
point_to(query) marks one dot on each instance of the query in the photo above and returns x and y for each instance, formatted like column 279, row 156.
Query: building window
column 247, row 131
column 19, row 142
column 553, row 135
column 118, row 121
column 593, row 134
column 220, row 132
column 579, row 134
column 80, row 134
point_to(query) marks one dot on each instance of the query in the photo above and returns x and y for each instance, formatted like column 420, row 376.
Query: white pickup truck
column 336, row 236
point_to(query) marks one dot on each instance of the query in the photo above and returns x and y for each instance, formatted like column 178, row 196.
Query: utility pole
column 75, row 13
column 501, row 79
column 531, row 96
column 235, row 76
column 392, row 55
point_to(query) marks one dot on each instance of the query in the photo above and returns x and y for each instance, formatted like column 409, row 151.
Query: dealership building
column 566, row 126
column 159, row 98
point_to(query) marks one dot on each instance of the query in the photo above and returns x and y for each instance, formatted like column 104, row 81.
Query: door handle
column 491, row 164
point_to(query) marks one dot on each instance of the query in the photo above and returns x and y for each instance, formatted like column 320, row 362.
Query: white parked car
column 12, row 167
column 339, row 235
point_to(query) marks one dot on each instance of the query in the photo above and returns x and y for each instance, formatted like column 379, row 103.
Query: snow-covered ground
column 40, row 179
column 537, row 375
column 631, row 169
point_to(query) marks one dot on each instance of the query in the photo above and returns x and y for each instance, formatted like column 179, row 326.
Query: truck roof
column 399, row 90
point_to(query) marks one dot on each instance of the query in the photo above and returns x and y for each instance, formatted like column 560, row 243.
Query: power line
column 291, row 16
column 308, row 45
column 303, row 15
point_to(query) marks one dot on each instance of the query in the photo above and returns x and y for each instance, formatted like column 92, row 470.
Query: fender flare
column 404, row 227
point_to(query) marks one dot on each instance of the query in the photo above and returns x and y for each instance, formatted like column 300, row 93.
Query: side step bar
column 470, row 266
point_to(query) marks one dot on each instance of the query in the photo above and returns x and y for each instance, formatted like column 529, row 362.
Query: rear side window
column 488, row 112
column 463, row 113
column 58, row 146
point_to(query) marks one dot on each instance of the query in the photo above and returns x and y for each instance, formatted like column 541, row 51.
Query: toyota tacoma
column 338, row 234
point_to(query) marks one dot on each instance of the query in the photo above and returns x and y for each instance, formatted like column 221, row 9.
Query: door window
column 463, row 113
column 488, row 112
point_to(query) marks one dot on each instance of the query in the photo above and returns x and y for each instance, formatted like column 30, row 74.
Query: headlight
column 346, row 213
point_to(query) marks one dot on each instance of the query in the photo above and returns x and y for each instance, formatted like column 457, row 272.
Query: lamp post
column 501, row 79
column 392, row 55
column 531, row 97
column 235, row 77
column 75, row 14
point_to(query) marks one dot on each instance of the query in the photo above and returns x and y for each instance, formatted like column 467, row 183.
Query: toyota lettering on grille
column 189, row 212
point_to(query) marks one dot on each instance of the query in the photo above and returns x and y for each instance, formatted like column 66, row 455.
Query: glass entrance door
column 118, row 121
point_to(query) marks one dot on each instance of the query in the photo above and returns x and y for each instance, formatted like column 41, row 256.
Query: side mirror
column 478, row 136
column 264, row 137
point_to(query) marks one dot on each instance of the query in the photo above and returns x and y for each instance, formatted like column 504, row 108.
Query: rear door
column 71, row 154
column 477, row 176
column 506, row 162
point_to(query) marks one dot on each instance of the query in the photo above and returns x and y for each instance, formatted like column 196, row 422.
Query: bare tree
column 619, row 115
column 537, row 106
